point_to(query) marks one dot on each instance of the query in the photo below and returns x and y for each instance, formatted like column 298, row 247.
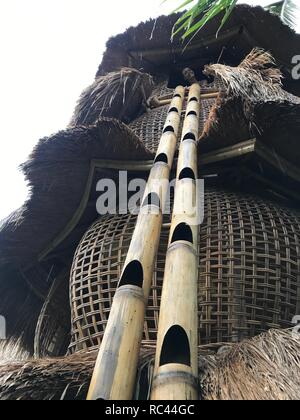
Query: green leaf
column 212, row 12
column 200, row 13
column 288, row 13
column 227, row 15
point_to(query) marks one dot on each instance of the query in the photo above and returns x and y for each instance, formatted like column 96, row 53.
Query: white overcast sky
column 50, row 51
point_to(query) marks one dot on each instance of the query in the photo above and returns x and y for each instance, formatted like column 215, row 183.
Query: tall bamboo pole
column 116, row 366
column 176, row 364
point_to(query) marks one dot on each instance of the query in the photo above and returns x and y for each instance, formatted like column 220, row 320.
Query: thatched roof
column 57, row 172
column 58, row 168
column 255, row 105
column 148, row 46
column 264, row 368
column 119, row 94
column 62, row 162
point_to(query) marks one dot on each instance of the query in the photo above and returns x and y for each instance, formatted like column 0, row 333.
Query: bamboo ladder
column 176, row 364
column 116, row 366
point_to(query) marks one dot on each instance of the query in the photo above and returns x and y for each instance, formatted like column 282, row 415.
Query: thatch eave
column 62, row 172
column 120, row 94
column 263, row 368
column 255, row 105
column 57, row 172
column 148, row 46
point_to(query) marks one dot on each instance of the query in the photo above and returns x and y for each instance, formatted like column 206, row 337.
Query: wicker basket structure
column 149, row 126
column 249, row 271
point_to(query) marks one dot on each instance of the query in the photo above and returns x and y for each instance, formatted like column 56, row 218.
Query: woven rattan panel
column 249, row 271
column 162, row 89
column 149, row 126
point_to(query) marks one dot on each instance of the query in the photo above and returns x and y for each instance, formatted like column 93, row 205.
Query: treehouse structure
column 155, row 305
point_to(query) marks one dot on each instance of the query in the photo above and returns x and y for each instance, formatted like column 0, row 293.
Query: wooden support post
column 176, row 364
column 116, row 366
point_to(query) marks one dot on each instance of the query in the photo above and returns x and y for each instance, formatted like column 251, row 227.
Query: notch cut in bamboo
column 116, row 366
column 176, row 364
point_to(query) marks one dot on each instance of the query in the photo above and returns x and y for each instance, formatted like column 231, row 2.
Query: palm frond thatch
column 119, row 94
column 57, row 171
column 256, row 77
column 60, row 172
column 11, row 350
column 263, row 368
column 149, row 47
column 65, row 378
column 255, row 105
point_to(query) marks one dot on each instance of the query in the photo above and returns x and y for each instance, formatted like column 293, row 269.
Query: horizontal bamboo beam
column 227, row 153
column 163, row 102
column 124, row 165
column 277, row 161
column 187, row 89
column 218, row 155
column 116, row 366
column 203, row 43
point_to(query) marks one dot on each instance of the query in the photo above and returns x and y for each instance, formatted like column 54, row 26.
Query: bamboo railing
column 212, row 95
column 157, row 102
column 116, row 366
column 176, row 364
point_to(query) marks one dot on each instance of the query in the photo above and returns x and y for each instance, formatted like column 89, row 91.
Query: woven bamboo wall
column 149, row 126
column 249, row 271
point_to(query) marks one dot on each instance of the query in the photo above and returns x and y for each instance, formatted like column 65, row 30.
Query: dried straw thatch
column 47, row 379
column 256, row 77
column 53, row 379
column 58, row 172
column 21, row 308
column 119, row 94
column 149, row 46
column 11, row 350
column 264, row 368
column 255, row 105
